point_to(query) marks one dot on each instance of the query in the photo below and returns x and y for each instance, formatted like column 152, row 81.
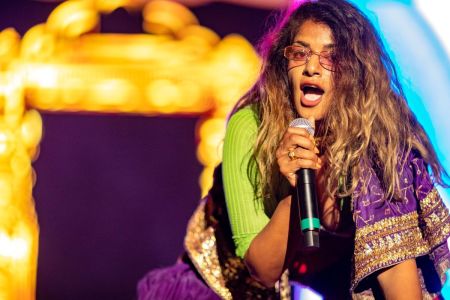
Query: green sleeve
column 246, row 213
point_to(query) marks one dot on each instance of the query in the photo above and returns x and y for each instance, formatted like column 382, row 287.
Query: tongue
column 312, row 96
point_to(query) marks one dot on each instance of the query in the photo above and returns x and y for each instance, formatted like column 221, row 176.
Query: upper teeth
column 311, row 87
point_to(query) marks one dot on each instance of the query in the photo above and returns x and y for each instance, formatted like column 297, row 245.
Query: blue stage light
column 423, row 66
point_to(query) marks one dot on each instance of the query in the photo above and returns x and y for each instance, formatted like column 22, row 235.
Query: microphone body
column 306, row 196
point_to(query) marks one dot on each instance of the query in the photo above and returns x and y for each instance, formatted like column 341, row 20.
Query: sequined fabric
column 387, row 242
column 209, row 245
column 200, row 244
column 391, row 231
column 224, row 272
column 435, row 219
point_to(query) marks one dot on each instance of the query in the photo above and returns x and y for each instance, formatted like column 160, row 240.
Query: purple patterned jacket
column 388, row 232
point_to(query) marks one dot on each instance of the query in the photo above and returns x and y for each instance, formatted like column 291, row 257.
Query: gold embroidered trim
column 386, row 243
column 200, row 244
column 285, row 288
column 441, row 258
column 442, row 268
column 436, row 217
column 365, row 295
column 429, row 201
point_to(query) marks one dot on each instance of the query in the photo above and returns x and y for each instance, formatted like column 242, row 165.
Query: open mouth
column 311, row 95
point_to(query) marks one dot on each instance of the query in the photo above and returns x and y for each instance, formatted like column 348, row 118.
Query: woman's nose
column 312, row 66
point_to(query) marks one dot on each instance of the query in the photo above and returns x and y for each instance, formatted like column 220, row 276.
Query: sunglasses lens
column 302, row 54
column 296, row 53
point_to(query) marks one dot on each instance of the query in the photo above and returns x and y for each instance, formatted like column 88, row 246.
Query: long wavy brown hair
column 369, row 118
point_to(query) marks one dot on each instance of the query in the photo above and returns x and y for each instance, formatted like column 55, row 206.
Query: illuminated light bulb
column 108, row 6
column 46, row 99
column 167, row 17
column 31, row 129
column 199, row 36
column 73, row 18
column 33, row 177
column 119, row 47
column 211, row 133
column 74, row 91
column 162, row 93
column 206, row 179
column 236, row 53
column 41, row 76
column 7, row 143
column 37, row 43
column 239, row 65
column 139, row 49
column 33, row 153
column 21, row 164
column 6, row 292
column 190, row 50
column 6, row 193
column 213, row 140
column 14, row 105
column 9, row 44
column 15, row 248
column 191, row 96
column 207, row 152
column 114, row 92
column 3, row 84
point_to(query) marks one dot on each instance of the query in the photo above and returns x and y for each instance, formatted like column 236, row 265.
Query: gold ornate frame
column 176, row 67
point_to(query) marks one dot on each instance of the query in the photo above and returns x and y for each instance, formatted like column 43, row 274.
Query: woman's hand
column 297, row 150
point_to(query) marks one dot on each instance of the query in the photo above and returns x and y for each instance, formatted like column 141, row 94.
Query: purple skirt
column 175, row 282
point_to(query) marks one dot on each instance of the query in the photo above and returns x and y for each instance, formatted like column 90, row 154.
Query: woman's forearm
column 401, row 282
column 265, row 256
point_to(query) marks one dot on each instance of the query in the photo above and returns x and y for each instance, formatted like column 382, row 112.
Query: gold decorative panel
column 176, row 67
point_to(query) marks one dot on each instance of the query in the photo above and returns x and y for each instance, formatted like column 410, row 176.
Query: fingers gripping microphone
column 306, row 196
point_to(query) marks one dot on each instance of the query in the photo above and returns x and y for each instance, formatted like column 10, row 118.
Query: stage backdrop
column 114, row 193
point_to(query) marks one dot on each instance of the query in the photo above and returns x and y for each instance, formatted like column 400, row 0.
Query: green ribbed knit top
column 245, row 211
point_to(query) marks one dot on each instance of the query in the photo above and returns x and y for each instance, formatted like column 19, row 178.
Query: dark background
column 114, row 193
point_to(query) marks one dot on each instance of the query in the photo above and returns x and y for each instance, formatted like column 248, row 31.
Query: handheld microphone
column 306, row 196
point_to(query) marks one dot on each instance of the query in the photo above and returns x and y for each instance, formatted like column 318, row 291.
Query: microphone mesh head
column 303, row 123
